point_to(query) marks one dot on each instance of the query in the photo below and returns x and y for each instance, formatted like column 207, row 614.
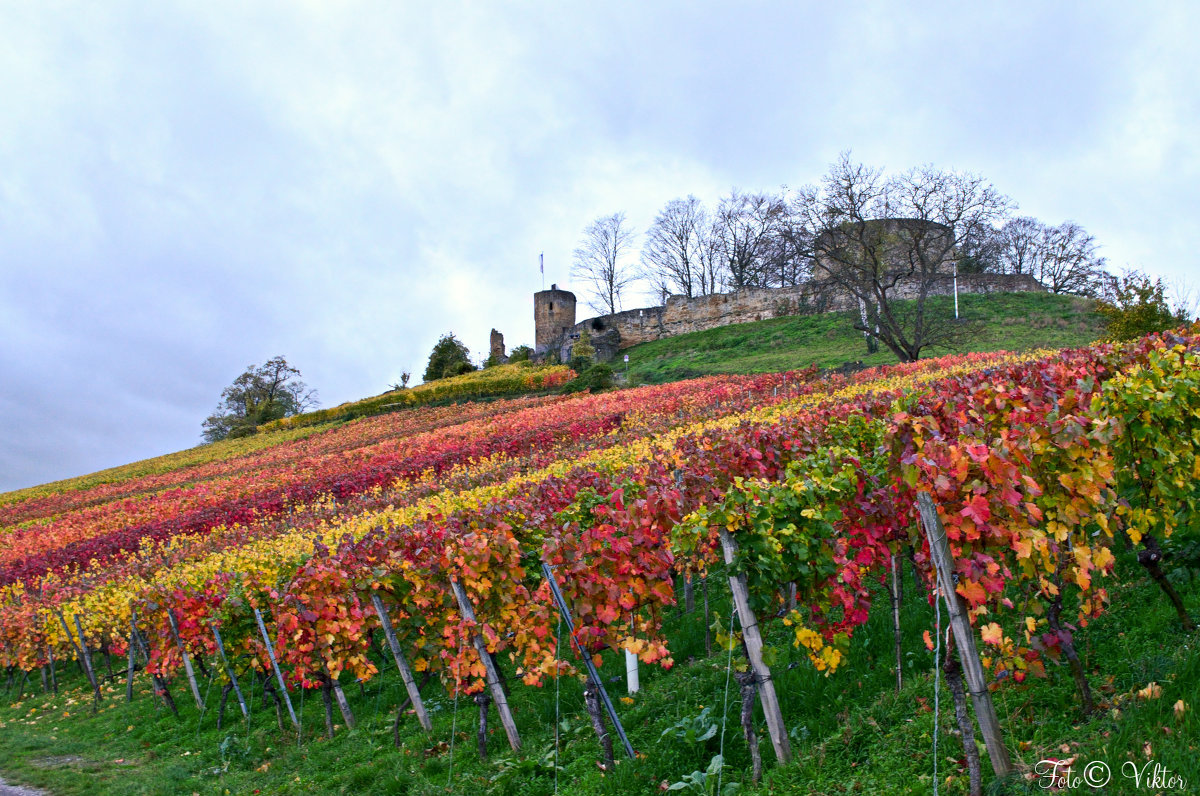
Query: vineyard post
column 161, row 689
column 229, row 671
column 262, row 628
column 565, row 612
column 78, row 653
column 340, row 696
column 707, row 629
column 53, row 674
column 493, row 676
column 894, row 593
column 985, row 712
column 754, row 645
column 87, row 660
column 631, row 672
column 187, row 661
column 129, row 666
column 410, row 684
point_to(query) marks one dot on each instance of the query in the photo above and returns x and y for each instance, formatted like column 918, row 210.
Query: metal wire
column 937, row 672
column 204, row 705
column 725, row 708
column 454, row 720
column 557, row 645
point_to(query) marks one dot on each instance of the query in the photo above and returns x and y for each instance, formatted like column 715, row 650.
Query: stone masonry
column 611, row 334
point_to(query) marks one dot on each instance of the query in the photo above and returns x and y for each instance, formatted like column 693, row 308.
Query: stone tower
column 553, row 317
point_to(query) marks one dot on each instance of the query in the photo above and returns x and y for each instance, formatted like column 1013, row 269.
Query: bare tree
column 671, row 256
column 1185, row 299
column 748, row 227
column 600, row 262
column 711, row 262
column 1062, row 258
column 1020, row 242
column 885, row 239
column 1067, row 261
column 790, row 257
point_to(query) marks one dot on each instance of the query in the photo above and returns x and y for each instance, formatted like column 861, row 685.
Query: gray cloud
column 189, row 188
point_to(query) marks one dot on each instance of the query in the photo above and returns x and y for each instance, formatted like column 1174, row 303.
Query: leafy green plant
column 597, row 377
column 705, row 782
column 693, row 730
column 517, row 771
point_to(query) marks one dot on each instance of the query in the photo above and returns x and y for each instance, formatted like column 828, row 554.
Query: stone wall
column 680, row 315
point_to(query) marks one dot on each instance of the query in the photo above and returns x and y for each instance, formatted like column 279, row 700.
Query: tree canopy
column 262, row 393
column 450, row 357
column 1136, row 305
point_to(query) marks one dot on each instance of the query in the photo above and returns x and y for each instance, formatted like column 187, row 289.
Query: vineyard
column 469, row 553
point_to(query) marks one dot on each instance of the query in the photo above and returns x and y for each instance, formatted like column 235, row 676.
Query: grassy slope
column 852, row 732
column 1013, row 321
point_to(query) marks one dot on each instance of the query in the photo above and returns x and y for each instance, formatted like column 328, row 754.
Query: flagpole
column 542, row 268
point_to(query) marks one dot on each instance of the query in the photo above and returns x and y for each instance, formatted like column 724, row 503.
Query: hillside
column 813, row 476
column 1005, row 321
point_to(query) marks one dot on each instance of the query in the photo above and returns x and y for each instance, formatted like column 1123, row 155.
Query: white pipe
column 631, row 671
column 956, row 290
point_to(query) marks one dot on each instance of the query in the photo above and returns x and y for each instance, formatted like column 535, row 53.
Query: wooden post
column 130, row 665
column 707, row 629
column 340, row 696
column 894, row 593
column 187, row 661
column 78, row 653
column 262, row 628
column 161, row 689
column 87, row 659
column 482, row 700
column 754, row 645
column 53, row 673
column 985, row 712
column 410, row 684
column 493, row 676
column 229, row 671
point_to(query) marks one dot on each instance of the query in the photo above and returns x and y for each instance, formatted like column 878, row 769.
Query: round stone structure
column 553, row 317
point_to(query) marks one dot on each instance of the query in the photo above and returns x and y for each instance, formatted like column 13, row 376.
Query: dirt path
column 18, row 790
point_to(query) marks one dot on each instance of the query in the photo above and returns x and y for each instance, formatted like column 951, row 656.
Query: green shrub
column 596, row 378
column 1137, row 306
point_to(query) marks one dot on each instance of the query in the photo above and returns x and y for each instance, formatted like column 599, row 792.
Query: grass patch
column 851, row 732
column 1009, row 321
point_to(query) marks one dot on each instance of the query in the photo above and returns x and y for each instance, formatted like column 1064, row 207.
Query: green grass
column 851, row 731
column 1012, row 321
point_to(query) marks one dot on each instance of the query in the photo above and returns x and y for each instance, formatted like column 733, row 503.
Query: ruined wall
column 496, row 347
column 681, row 315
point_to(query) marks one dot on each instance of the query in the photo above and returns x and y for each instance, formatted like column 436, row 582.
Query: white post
column 956, row 290
column 631, row 672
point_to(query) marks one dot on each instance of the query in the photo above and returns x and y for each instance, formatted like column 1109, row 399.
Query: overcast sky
column 189, row 188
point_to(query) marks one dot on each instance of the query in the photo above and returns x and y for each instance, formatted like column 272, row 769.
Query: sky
column 187, row 189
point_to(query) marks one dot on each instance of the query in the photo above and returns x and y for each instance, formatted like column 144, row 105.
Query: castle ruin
column 556, row 330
